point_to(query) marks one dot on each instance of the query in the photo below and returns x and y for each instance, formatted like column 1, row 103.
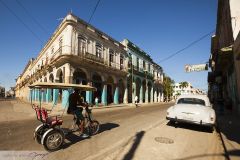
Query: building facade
column 224, row 80
column 189, row 89
column 81, row 54
column 2, row 92
column 145, row 78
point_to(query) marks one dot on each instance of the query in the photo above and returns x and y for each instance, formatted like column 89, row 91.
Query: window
column 191, row 101
column 149, row 67
column 82, row 44
column 121, row 62
column 144, row 65
column 60, row 46
column 98, row 50
column 52, row 51
column 138, row 64
column 111, row 56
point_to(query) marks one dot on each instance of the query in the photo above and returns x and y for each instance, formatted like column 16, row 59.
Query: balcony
column 92, row 57
column 141, row 72
column 85, row 57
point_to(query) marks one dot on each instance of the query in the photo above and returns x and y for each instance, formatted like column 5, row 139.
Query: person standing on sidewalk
column 96, row 101
column 136, row 101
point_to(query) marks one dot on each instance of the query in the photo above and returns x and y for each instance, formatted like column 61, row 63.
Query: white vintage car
column 194, row 109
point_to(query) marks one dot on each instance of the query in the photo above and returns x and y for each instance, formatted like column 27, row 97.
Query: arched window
column 99, row 50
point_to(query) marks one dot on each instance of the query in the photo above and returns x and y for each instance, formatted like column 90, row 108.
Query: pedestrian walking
column 136, row 101
column 96, row 101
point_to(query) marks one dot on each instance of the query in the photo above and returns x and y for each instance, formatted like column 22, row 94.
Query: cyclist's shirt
column 74, row 100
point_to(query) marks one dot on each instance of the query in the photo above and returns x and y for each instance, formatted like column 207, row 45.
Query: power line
column 34, row 19
column 94, row 11
column 22, row 22
column 188, row 46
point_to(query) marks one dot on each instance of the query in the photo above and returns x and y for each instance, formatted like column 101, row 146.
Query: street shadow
column 135, row 145
column 229, row 125
column 107, row 126
column 73, row 137
column 189, row 126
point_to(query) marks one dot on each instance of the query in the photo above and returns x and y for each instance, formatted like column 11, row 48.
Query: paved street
column 126, row 133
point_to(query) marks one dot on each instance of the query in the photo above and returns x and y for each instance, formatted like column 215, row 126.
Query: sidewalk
column 164, row 142
column 229, row 127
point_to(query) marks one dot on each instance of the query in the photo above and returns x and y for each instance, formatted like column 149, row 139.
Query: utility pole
column 132, row 77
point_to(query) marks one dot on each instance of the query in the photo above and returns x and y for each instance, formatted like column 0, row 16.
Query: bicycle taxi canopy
column 64, row 86
column 42, row 85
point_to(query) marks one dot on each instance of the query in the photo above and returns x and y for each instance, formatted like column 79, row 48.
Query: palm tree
column 167, row 87
column 183, row 84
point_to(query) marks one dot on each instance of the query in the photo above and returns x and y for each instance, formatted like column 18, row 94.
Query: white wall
column 235, row 16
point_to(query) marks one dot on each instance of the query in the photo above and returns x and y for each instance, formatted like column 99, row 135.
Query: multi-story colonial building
column 78, row 53
column 145, row 78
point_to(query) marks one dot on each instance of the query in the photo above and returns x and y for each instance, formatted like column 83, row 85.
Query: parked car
column 194, row 109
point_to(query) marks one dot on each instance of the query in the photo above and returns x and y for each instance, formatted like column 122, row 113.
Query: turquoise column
column 48, row 95
column 116, row 95
column 125, row 97
column 30, row 95
column 65, row 97
column 141, row 94
column 151, row 98
column 55, row 96
column 35, row 94
column 42, row 95
column 89, row 97
column 146, row 95
column 38, row 96
column 104, row 95
column 134, row 91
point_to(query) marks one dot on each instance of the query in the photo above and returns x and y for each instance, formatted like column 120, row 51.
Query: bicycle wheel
column 39, row 131
column 94, row 127
column 53, row 140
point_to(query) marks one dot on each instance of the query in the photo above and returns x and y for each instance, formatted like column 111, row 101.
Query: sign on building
column 196, row 67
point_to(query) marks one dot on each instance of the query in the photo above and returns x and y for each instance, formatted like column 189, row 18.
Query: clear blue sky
column 159, row 27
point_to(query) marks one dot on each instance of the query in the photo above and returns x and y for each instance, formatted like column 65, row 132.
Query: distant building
column 2, row 92
column 11, row 92
column 178, row 90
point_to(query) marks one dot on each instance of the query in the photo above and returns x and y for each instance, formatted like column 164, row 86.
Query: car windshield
column 191, row 101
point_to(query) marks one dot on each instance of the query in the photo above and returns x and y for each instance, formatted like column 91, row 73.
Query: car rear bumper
column 190, row 121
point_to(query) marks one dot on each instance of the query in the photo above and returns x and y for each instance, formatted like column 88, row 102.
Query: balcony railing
column 89, row 56
column 93, row 57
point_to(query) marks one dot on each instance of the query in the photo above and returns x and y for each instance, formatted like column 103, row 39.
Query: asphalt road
column 118, row 126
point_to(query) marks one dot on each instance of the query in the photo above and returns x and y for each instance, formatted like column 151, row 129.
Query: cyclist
column 75, row 100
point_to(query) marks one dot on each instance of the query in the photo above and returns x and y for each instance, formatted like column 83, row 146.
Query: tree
column 183, row 84
column 167, row 87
